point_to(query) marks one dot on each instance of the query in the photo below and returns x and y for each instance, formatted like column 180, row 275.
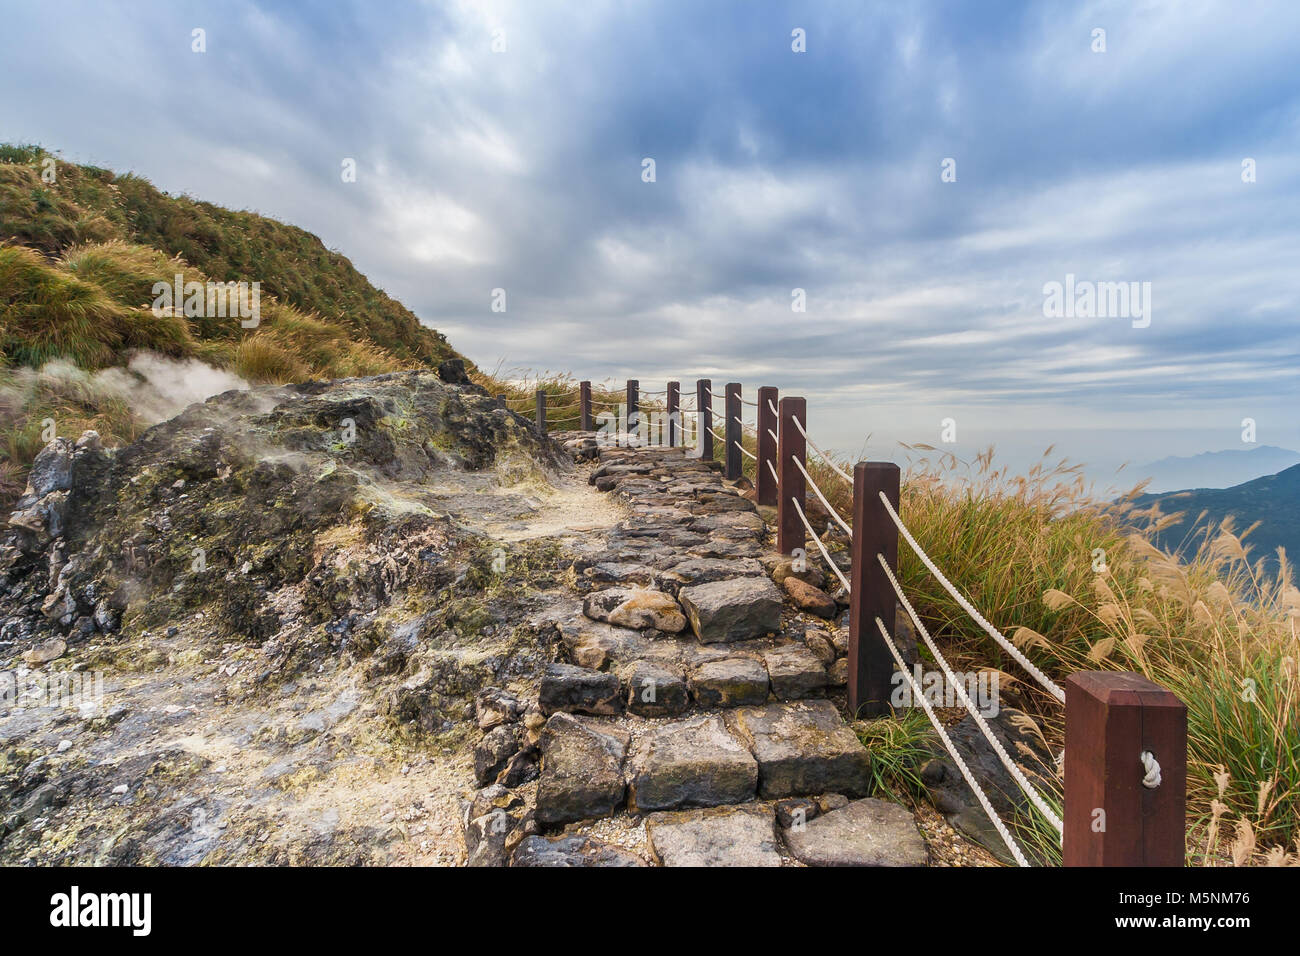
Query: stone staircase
column 698, row 704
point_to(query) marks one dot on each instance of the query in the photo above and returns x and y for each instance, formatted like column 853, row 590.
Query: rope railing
column 918, row 694
column 745, row 451
column 1012, row 768
column 821, row 454
column 969, row 608
column 822, row 498
column 821, row 547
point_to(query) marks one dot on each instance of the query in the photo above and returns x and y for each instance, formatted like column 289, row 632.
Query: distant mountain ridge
column 1216, row 469
column 1273, row 500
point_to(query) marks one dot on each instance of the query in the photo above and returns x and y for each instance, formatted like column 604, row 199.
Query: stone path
column 693, row 716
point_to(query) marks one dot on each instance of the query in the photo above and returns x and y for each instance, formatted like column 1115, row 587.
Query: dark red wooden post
column 731, row 430
column 767, row 424
column 633, row 415
column 871, row 665
column 540, row 420
column 674, row 415
column 705, row 416
column 584, row 403
column 1111, row 818
column 792, row 486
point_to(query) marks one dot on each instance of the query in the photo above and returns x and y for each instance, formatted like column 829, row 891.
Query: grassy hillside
column 1269, row 507
column 79, row 256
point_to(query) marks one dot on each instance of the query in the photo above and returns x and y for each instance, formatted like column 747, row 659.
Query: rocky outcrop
column 225, row 507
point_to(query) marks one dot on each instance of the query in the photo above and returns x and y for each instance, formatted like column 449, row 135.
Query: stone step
column 593, row 767
column 725, row 836
column 693, row 762
column 803, row 747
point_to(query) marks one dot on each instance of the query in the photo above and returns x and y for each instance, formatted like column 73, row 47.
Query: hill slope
column 80, row 251
column 1273, row 501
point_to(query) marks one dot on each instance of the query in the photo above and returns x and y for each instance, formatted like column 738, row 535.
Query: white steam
column 158, row 388
column 153, row 386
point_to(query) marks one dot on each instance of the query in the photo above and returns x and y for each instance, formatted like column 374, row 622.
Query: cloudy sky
column 502, row 146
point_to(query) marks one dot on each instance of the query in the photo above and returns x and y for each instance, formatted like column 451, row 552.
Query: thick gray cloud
column 521, row 170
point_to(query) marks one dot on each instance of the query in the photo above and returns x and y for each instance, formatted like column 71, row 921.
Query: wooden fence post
column 871, row 666
column 674, row 414
column 767, row 424
column 584, row 404
column 705, row 412
column 792, row 487
column 540, row 419
column 1111, row 817
column 633, row 415
column 731, row 431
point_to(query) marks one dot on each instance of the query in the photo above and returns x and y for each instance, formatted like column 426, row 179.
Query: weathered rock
column 609, row 572
column 722, row 836
column 794, row 672
column 831, row 801
column 730, row 682
column 597, row 644
column 636, row 608
column 735, row 524
column 864, row 833
column 796, row 811
column 689, row 763
column 572, row 850
column 582, row 770
column 579, row 690
column 808, row 598
column 819, row 643
column 494, row 751
column 485, row 839
column 837, row 675
column 705, row 570
column 781, row 567
column 656, row 690
column 51, row 469
column 521, row 768
column 734, row 610
column 495, row 706
column 804, row 747
column 492, row 797
column 46, row 651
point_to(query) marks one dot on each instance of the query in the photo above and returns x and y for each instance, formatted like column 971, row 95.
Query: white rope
column 1012, row 768
column 773, row 471
column 744, row 450
column 773, row 434
column 821, row 547
column 773, row 408
column 989, row 629
column 1151, row 779
column 952, row 751
column 749, row 403
column 822, row 498
column 717, row 436
column 824, row 457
